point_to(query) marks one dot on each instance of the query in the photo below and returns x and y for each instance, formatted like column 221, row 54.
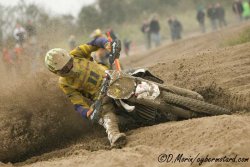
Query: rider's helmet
column 59, row 61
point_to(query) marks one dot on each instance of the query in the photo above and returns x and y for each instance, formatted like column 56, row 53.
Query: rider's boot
column 116, row 139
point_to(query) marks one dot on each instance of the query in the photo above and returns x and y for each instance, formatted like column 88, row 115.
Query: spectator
column 176, row 28
column 145, row 31
column 154, row 29
column 211, row 14
column 101, row 56
column 96, row 33
column 31, row 32
column 112, row 34
column 201, row 19
column 126, row 43
column 220, row 14
column 246, row 10
column 7, row 59
column 171, row 28
column 30, row 28
column 238, row 9
column 72, row 42
column 19, row 34
column 1, row 38
column 20, row 59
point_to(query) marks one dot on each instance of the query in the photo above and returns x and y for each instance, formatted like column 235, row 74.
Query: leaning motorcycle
column 140, row 93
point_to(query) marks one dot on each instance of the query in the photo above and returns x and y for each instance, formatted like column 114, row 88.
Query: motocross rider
column 81, row 78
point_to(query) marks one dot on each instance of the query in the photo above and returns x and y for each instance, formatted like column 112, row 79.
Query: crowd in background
column 215, row 13
column 241, row 9
column 23, row 56
column 25, row 52
column 151, row 30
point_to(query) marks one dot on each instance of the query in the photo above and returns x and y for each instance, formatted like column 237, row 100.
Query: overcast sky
column 56, row 6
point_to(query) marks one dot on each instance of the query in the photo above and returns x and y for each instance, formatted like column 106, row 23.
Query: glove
column 85, row 113
column 89, row 112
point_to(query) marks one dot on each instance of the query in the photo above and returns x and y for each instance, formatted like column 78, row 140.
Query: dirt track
column 201, row 63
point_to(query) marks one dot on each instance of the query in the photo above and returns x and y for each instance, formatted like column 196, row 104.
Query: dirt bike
column 141, row 93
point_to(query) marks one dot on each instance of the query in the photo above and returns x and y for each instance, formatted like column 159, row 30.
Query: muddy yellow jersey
column 88, row 75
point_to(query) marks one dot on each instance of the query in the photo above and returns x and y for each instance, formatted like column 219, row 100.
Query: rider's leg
column 110, row 123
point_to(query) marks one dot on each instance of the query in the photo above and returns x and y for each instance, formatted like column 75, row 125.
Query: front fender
column 145, row 74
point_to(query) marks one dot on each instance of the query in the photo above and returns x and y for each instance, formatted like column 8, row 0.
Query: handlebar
column 117, row 62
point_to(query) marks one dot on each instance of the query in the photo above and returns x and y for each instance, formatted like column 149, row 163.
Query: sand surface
column 36, row 116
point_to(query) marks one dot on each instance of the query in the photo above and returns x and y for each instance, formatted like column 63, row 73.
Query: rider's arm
column 85, row 50
column 80, row 105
